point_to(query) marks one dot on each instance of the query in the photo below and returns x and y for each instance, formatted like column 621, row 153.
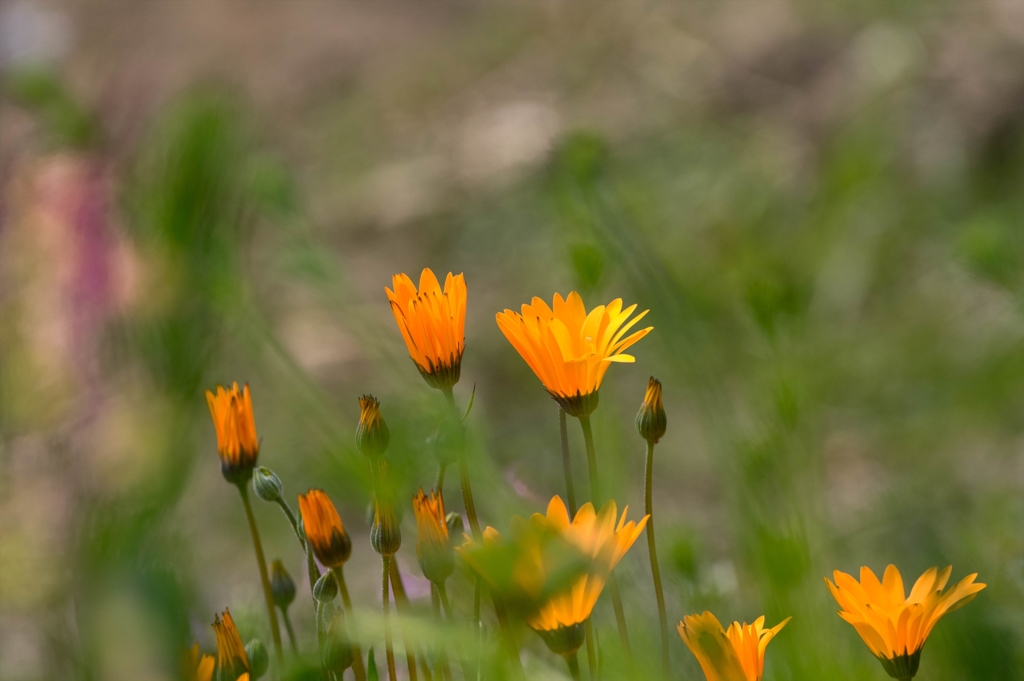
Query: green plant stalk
column 314, row 572
column 292, row 519
column 652, row 549
column 570, row 490
column 388, row 650
column 275, row 631
column 474, row 523
column 401, row 605
column 439, row 485
column 613, row 583
column 290, row 630
column 443, row 667
column 357, row 653
column 574, row 666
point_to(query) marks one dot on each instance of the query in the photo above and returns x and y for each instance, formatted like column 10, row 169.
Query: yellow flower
column 568, row 349
column 237, row 443
column 433, row 324
column 324, row 530
column 558, row 616
column 231, row 656
column 433, row 547
column 200, row 667
column 734, row 655
column 893, row 626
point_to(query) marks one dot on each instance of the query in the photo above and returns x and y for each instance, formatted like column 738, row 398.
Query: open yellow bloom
column 433, row 324
column 595, row 537
column 569, row 349
column 324, row 530
column 433, row 548
column 893, row 626
column 237, row 443
column 733, row 655
column 200, row 667
column 231, row 656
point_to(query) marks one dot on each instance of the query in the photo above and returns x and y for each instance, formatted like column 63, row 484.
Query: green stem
column 467, row 490
column 591, row 653
column 313, row 570
column 574, row 666
column 275, row 631
column 357, row 653
column 292, row 519
column 570, row 491
column 291, row 632
column 652, row 549
column 386, row 604
column 442, row 593
column 613, row 583
column 444, row 670
column 401, row 605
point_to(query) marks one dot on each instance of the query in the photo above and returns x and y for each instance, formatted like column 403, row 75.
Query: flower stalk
column 275, row 631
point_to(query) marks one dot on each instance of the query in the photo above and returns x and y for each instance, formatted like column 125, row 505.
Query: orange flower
column 324, row 529
column 231, row 656
column 893, row 626
column 237, row 443
column 433, row 547
column 568, row 349
column 734, row 655
column 200, row 667
column 433, row 324
column 372, row 434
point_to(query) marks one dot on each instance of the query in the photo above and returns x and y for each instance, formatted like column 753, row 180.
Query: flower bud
column 385, row 533
column 281, row 585
column 372, row 436
column 237, row 442
column 455, row 525
column 325, row 588
column 323, row 528
column 651, row 421
column 266, row 484
column 433, row 546
column 337, row 655
column 259, row 661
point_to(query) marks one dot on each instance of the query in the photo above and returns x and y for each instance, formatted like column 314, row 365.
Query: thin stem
column 591, row 653
column 275, row 631
column 386, row 604
column 357, row 653
column 613, row 583
column 291, row 632
column 442, row 593
column 467, row 490
column 566, row 463
column 652, row 549
column 574, row 666
column 292, row 519
column 444, row 670
column 401, row 605
column 313, row 570
column 439, row 485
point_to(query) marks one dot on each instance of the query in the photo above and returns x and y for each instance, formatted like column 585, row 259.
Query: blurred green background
column 821, row 203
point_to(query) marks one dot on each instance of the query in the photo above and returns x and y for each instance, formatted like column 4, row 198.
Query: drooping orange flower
column 433, row 324
column 231, row 655
column 237, row 442
column 324, row 530
column 200, row 667
column 569, row 349
column 893, row 626
column 734, row 655
column 433, row 547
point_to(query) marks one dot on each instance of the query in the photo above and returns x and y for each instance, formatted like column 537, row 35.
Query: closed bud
column 323, row 528
column 259, row 660
column 455, row 525
column 650, row 420
column 337, row 655
column 385, row 533
column 372, row 436
column 433, row 546
column 281, row 585
column 266, row 484
column 325, row 588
